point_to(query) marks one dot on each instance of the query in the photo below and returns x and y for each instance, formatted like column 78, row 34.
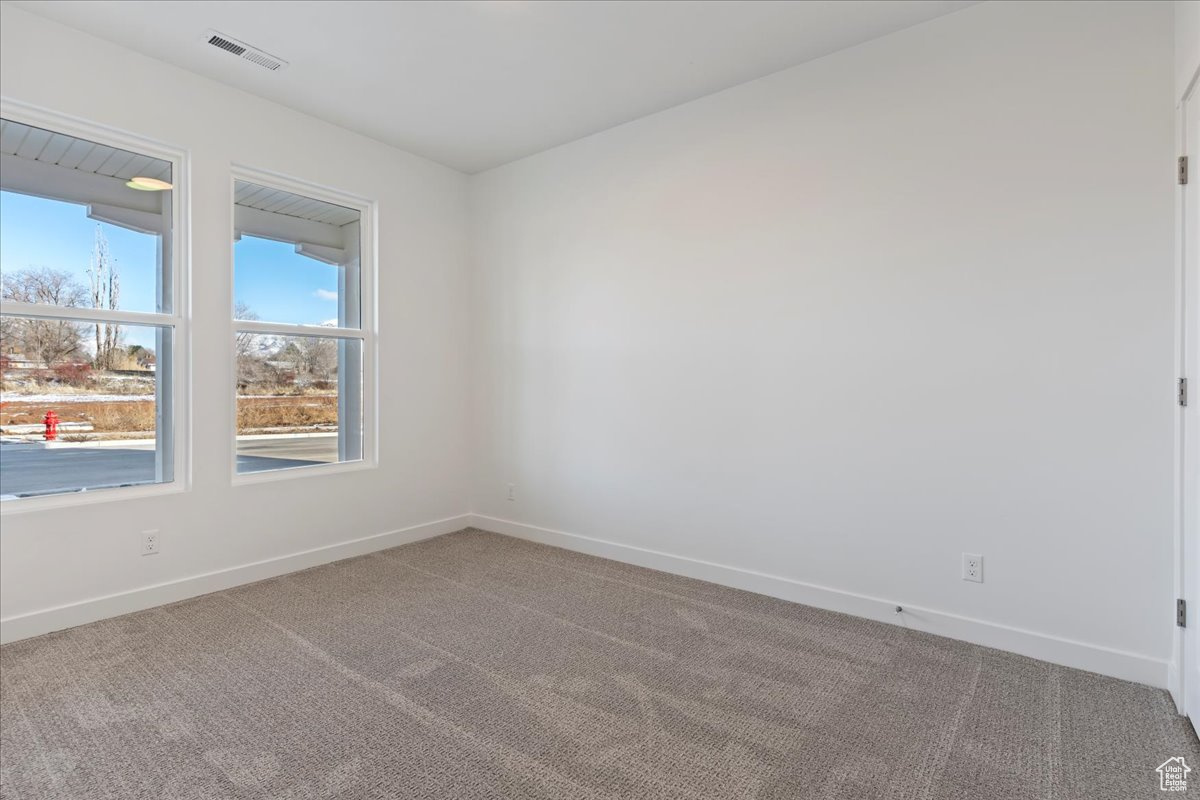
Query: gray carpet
column 479, row 666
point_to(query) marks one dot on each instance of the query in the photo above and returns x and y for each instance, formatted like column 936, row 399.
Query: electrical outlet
column 972, row 567
column 512, row 491
column 150, row 543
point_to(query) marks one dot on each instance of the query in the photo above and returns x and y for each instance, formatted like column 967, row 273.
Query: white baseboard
column 1055, row 649
column 24, row 626
column 1175, row 685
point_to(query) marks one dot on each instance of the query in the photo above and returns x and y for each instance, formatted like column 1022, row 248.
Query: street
column 34, row 468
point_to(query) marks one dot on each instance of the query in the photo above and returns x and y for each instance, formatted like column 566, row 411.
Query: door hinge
column 1183, row 392
column 1183, row 170
column 1181, row 612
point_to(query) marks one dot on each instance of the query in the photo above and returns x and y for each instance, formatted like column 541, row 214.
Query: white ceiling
column 277, row 201
column 35, row 144
column 477, row 84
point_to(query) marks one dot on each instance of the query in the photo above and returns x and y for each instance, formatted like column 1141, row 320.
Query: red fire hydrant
column 51, row 423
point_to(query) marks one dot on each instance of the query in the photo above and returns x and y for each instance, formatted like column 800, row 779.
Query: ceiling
column 81, row 155
column 35, row 144
column 474, row 84
column 277, row 201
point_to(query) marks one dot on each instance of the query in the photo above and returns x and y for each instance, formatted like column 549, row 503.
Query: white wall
column 846, row 322
column 1187, row 43
column 816, row 335
column 56, row 558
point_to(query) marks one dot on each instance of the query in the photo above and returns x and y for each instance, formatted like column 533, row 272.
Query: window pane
column 299, row 401
column 296, row 259
column 104, row 419
column 73, row 232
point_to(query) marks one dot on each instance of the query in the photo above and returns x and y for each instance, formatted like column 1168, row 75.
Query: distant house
column 143, row 357
column 14, row 359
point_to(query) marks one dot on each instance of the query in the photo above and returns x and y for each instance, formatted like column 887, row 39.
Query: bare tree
column 45, row 340
column 317, row 357
column 250, row 351
column 106, row 293
column 244, row 341
column 42, row 285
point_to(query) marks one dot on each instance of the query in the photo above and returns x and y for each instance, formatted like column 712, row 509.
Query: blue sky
column 278, row 284
column 281, row 286
column 35, row 232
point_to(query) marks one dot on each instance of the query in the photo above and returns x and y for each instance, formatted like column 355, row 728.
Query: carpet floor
column 479, row 666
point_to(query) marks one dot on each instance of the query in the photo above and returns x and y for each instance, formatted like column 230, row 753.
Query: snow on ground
column 10, row 397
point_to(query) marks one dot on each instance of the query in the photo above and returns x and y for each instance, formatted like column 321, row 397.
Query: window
column 300, row 338
column 89, row 313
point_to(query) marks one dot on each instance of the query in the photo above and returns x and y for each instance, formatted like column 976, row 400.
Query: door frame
column 1184, row 680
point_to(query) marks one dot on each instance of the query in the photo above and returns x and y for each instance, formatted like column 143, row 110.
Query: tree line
column 264, row 360
column 267, row 360
column 53, row 342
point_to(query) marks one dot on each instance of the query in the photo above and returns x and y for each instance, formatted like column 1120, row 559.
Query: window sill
column 50, row 502
column 311, row 471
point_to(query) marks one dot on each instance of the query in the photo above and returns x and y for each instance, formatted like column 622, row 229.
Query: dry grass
column 302, row 411
column 34, row 383
column 120, row 417
column 137, row 416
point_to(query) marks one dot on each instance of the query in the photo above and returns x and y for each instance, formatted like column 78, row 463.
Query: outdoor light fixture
column 148, row 184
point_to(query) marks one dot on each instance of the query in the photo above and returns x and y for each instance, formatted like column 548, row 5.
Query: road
column 278, row 452
column 31, row 468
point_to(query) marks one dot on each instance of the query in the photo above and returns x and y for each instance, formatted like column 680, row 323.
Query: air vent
column 245, row 51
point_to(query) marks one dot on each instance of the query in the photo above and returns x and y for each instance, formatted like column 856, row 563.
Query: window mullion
column 281, row 329
column 84, row 314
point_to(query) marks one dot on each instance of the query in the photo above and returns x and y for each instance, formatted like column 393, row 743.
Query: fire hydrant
column 51, row 423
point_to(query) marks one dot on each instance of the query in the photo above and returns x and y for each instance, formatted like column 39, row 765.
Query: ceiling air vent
column 245, row 51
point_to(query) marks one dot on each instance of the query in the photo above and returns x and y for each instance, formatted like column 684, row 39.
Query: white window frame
column 366, row 334
column 177, row 362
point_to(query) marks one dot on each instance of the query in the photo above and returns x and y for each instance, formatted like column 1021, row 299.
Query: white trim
column 178, row 319
column 1186, row 531
column 334, row 256
column 299, row 471
column 1179, row 495
column 1080, row 655
column 291, row 329
column 39, row 117
column 1055, row 649
column 249, row 221
column 36, row 623
column 128, row 218
column 368, row 318
column 52, row 182
column 83, row 314
column 287, row 183
column 11, row 505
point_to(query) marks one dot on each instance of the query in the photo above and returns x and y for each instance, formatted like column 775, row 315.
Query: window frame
column 366, row 333
column 178, row 319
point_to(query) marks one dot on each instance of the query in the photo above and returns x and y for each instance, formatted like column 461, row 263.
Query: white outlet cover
column 972, row 567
